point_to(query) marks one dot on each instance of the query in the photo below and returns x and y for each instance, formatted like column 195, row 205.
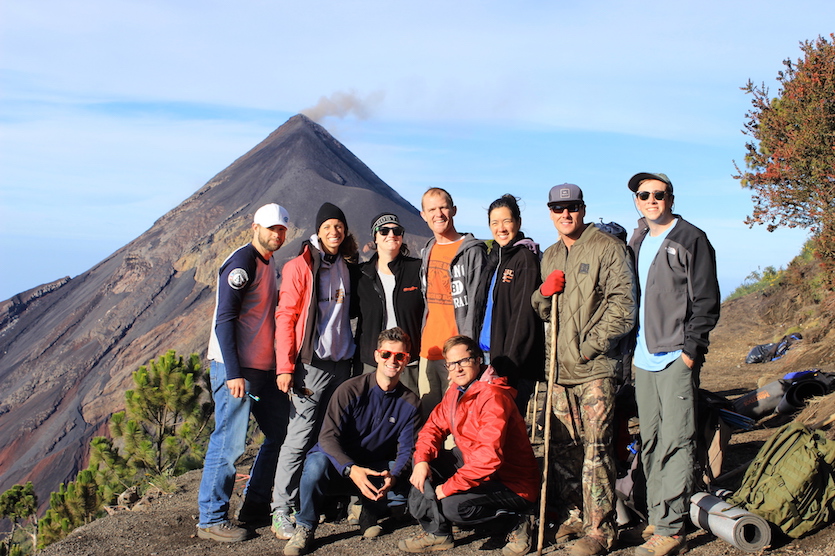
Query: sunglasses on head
column 396, row 230
column 644, row 195
column 399, row 356
column 571, row 207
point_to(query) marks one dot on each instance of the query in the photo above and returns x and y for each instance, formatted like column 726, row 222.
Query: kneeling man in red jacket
column 491, row 471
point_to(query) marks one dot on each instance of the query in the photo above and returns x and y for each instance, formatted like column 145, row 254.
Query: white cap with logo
column 272, row 215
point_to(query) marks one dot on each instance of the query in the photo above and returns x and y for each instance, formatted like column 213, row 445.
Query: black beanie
column 328, row 211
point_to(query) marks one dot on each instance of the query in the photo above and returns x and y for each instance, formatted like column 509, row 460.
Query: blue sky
column 113, row 112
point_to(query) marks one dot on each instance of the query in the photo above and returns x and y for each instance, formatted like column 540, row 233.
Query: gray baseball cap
column 636, row 180
column 565, row 193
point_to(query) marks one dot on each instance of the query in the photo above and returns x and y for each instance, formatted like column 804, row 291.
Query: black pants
column 482, row 503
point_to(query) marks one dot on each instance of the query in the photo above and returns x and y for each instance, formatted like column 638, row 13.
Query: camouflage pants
column 582, row 452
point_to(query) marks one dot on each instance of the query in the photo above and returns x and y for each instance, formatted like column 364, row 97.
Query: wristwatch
column 346, row 472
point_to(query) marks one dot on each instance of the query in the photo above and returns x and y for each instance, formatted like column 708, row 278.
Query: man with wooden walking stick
column 593, row 274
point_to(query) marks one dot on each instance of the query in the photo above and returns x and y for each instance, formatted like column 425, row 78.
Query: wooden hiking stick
column 532, row 412
column 552, row 371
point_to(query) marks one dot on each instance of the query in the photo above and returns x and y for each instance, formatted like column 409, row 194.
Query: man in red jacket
column 491, row 471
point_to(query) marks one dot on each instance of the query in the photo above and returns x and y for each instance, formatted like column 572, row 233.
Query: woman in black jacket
column 512, row 333
column 389, row 295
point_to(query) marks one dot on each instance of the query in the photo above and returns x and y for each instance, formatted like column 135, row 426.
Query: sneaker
column 519, row 540
column 368, row 524
column 659, row 545
column 254, row 514
column 222, row 532
column 283, row 525
column 588, row 546
column 354, row 514
column 426, row 542
column 299, row 543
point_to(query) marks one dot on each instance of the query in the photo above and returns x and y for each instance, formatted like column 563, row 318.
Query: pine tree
column 18, row 504
column 74, row 505
column 163, row 430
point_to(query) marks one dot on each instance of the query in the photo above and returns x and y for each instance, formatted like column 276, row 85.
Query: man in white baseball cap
column 242, row 371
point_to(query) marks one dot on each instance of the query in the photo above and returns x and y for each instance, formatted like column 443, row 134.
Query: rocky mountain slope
column 67, row 349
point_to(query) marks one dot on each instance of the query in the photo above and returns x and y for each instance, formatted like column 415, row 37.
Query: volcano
column 68, row 348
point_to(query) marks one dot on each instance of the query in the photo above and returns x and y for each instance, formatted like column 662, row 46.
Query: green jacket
column 597, row 308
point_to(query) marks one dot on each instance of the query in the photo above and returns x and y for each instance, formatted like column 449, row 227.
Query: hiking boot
column 519, row 540
column 659, row 545
column 426, row 542
column 368, row 524
column 588, row 546
column 648, row 532
column 569, row 530
column 300, row 542
column 283, row 525
column 222, row 532
column 254, row 514
column 639, row 534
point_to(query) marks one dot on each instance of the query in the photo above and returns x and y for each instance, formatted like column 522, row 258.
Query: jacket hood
column 529, row 244
column 310, row 245
column 518, row 242
column 490, row 376
column 466, row 237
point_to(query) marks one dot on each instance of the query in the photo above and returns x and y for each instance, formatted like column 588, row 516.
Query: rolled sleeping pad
column 798, row 393
column 762, row 401
column 742, row 529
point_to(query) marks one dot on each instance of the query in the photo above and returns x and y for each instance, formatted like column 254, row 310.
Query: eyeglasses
column 453, row 365
column 397, row 230
column 399, row 356
column 658, row 195
column 572, row 207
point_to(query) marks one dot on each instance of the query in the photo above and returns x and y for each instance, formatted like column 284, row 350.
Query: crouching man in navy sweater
column 366, row 440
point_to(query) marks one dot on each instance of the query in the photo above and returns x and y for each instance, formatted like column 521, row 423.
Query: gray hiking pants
column 312, row 389
column 667, row 410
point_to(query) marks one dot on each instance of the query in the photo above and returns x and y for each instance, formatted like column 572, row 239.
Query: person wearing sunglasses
column 389, row 295
column 314, row 345
column 367, row 437
column 490, row 472
column 512, row 334
column 676, row 274
column 591, row 273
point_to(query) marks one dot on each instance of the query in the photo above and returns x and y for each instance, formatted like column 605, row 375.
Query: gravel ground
column 167, row 525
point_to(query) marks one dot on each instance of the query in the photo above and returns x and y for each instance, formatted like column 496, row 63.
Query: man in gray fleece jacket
column 450, row 273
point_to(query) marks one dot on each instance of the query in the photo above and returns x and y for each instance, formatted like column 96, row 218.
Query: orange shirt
column 440, row 319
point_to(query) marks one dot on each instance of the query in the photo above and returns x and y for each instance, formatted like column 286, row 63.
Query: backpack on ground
column 773, row 351
column 791, row 482
column 713, row 436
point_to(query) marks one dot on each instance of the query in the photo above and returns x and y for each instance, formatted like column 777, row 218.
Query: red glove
column 555, row 283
